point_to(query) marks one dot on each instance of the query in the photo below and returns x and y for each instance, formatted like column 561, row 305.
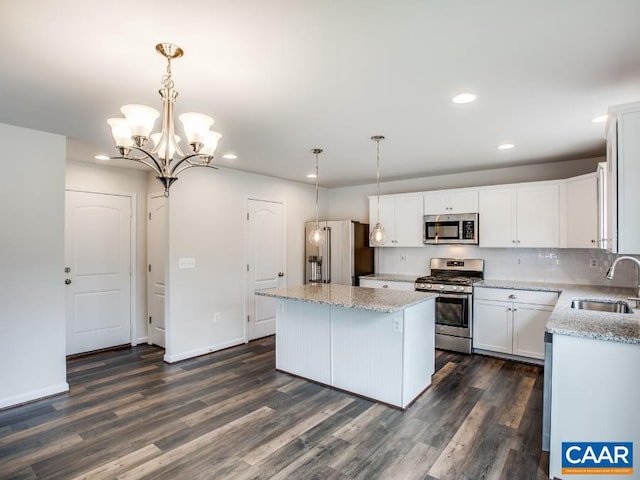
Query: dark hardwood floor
column 230, row 415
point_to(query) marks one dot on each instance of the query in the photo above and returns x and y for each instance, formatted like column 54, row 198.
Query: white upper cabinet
column 497, row 217
column 450, row 201
column 623, row 159
column 582, row 212
column 523, row 215
column 402, row 218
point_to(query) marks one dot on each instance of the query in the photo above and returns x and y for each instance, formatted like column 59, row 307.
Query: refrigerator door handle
column 326, row 270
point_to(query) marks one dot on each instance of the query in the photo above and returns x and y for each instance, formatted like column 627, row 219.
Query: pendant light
column 317, row 235
column 378, row 236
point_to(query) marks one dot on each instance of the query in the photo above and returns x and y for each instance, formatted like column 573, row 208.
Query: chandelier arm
column 190, row 165
column 174, row 167
column 155, row 166
column 139, row 160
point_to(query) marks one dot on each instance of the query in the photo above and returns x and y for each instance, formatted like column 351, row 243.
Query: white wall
column 207, row 221
column 32, row 317
column 108, row 179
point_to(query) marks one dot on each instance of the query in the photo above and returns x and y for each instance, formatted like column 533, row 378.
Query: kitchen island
column 371, row 342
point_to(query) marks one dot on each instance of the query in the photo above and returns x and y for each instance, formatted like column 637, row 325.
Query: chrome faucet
column 612, row 270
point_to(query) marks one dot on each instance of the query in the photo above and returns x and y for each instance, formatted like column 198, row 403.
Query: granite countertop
column 564, row 320
column 372, row 299
column 391, row 277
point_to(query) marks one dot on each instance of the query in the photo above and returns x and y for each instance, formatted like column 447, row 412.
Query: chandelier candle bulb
column 121, row 132
column 141, row 119
column 196, row 127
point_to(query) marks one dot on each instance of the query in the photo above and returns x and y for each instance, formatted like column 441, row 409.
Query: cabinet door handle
column 385, row 286
column 513, row 241
column 515, row 309
column 512, row 296
column 508, row 309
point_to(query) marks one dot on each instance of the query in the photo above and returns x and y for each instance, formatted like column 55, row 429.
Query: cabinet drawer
column 517, row 296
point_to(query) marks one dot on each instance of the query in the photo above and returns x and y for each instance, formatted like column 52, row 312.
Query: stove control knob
column 428, row 286
column 441, row 287
column 459, row 289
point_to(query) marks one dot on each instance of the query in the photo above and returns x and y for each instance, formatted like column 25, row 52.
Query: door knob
column 67, row 281
column 281, row 274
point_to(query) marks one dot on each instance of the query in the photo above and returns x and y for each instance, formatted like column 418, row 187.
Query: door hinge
column 149, row 267
column 247, row 267
column 247, row 215
column 149, row 215
column 247, row 318
column 149, row 320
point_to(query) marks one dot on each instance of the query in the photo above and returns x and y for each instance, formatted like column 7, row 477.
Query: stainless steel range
column 453, row 278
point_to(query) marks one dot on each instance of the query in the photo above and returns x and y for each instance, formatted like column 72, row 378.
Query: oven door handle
column 454, row 295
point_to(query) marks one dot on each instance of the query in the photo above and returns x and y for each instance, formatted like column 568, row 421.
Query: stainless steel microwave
column 451, row 229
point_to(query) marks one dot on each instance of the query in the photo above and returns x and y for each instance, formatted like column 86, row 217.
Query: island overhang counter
column 371, row 342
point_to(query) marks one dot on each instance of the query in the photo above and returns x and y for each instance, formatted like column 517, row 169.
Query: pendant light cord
column 316, row 152
column 378, row 178
column 317, row 225
column 377, row 138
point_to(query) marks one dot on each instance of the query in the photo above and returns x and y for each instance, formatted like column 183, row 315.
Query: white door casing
column 156, row 263
column 98, row 255
column 265, row 264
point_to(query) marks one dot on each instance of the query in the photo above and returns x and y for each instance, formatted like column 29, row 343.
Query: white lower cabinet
column 391, row 285
column 511, row 322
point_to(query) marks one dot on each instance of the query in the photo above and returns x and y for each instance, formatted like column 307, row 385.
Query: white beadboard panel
column 303, row 339
column 367, row 353
column 419, row 350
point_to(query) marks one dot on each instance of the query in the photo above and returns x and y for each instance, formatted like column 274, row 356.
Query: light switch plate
column 187, row 263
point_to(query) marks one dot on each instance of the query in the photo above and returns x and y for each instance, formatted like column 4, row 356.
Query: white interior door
column 98, row 264
column 156, row 259
column 265, row 267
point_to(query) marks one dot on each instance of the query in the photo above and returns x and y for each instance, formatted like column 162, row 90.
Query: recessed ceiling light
column 229, row 156
column 600, row 119
column 101, row 157
column 505, row 146
column 464, row 97
column 311, row 175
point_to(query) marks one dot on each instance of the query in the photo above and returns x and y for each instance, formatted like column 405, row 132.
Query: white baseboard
column 202, row 351
column 33, row 395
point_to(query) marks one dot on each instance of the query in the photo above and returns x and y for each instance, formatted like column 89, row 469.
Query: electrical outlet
column 518, row 261
column 397, row 325
column 403, row 258
column 216, row 317
column 593, row 263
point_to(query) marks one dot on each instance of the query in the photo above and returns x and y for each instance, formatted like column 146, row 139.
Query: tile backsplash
column 575, row 266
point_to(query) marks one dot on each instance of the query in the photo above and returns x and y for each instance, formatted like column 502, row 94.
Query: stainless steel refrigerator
column 344, row 256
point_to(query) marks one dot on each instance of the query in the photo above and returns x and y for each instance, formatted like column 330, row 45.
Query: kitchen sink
column 602, row 306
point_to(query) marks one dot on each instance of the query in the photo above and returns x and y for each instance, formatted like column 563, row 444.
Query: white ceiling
column 281, row 77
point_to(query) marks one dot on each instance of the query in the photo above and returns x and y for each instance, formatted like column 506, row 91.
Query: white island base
column 384, row 356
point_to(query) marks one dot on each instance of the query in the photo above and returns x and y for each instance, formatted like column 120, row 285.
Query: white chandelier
column 133, row 132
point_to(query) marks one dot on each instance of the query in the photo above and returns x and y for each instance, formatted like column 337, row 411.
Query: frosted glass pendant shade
column 317, row 236
column 173, row 141
column 378, row 236
column 210, row 143
column 196, row 126
column 121, row 132
column 141, row 119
